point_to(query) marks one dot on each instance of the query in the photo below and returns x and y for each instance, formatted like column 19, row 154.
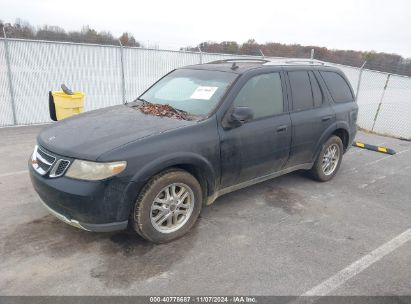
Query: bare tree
column 23, row 29
column 391, row 63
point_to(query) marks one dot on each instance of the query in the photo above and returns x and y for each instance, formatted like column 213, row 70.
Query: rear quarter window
column 338, row 87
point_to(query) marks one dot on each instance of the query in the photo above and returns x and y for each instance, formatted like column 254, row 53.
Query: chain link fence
column 29, row 69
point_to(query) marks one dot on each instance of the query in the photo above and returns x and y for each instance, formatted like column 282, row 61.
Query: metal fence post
column 357, row 91
column 201, row 54
column 7, row 55
column 381, row 99
column 312, row 54
column 123, row 83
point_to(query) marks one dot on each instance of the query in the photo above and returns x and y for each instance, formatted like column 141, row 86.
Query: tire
column 320, row 171
column 158, row 205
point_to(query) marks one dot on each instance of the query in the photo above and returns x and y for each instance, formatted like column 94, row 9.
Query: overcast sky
column 366, row 25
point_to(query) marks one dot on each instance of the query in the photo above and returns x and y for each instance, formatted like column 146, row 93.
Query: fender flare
column 327, row 133
column 345, row 126
column 137, row 182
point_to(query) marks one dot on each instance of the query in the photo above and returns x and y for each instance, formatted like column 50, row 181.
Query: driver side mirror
column 239, row 116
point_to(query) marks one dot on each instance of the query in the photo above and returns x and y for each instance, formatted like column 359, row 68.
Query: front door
column 260, row 146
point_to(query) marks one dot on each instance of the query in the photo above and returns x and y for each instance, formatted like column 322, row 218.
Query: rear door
column 345, row 107
column 260, row 146
column 311, row 114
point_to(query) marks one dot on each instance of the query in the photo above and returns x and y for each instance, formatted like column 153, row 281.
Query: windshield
column 196, row 92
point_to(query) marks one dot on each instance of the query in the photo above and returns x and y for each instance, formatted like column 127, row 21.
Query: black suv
column 246, row 121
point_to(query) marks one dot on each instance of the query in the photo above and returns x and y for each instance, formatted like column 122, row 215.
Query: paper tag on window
column 203, row 93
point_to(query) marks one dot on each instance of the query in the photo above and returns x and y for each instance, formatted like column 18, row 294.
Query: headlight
column 88, row 170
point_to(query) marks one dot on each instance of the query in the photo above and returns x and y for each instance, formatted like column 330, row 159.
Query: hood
column 87, row 136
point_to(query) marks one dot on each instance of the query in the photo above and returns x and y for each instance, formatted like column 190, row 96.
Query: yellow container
column 68, row 105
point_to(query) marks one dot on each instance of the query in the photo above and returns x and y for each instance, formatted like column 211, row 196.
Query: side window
column 338, row 87
column 317, row 93
column 301, row 90
column 263, row 94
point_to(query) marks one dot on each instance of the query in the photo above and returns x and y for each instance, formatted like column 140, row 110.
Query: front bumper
column 88, row 227
column 90, row 205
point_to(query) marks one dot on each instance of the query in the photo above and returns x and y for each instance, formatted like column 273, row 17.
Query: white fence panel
column 39, row 67
column 394, row 117
column 6, row 110
column 372, row 87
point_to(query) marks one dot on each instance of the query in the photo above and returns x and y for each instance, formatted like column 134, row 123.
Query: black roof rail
column 250, row 60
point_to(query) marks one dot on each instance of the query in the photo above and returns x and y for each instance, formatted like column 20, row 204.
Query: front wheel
column 168, row 206
column 329, row 160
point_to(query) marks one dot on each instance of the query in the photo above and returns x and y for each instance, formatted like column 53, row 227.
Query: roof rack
column 250, row 60
column 294, row 61
column 309, row 61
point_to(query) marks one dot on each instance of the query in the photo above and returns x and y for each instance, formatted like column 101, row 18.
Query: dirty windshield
column 196, row 92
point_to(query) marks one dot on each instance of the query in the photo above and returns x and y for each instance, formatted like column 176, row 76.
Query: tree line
column 24, row 30
column 390, row 63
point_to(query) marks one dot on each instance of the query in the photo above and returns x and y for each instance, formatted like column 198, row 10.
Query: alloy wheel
column 172, row 207
column 330, row 159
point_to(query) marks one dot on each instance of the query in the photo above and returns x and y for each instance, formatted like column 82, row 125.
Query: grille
column 62, row 167
column 46, row 156
column 45, row 167
column 42, row 161
column 59, row 168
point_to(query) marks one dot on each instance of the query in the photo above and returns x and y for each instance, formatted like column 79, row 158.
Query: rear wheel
column 168, row 206
column 329, row 160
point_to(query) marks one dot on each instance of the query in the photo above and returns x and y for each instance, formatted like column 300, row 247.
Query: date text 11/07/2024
column 203, row 299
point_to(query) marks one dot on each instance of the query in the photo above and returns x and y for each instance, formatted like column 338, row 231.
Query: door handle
column 282, row 128
column 326, row 118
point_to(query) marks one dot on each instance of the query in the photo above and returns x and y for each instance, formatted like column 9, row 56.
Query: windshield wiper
column 179, row 111
column 145, row 102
